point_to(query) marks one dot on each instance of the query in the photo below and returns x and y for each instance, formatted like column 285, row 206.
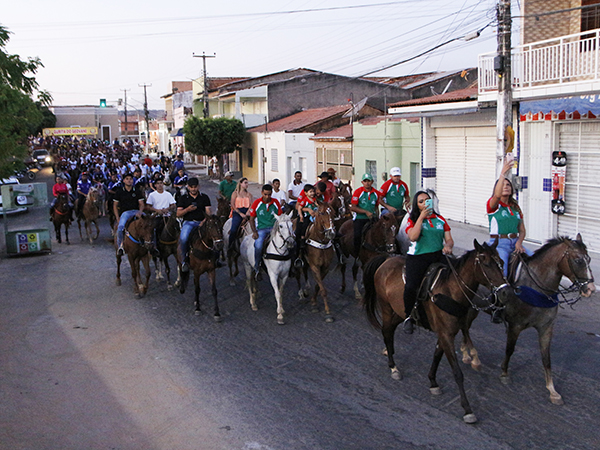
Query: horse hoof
column 169, row 287
column 329, row 319
column 314, row 310
column 396, row 374
column 384, row 352
column 467, row 360
column 118, row 282
column 557, row 400
column 476, row 367
column 435, row 390
column 232, row 283
column 280, row 321
column 357, row 296
column 470, row 418
column 505, row 379
column 197, row 312
column 137, row 295
column 254, row 308
column 217, row 319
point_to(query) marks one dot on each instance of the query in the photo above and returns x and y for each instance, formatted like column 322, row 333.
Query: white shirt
column 160, row 201
column 280, row 196
column 296, row 189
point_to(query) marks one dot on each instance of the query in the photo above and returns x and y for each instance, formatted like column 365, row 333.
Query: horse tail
column 370, row 297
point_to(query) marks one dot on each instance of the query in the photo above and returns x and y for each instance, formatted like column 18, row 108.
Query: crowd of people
column 132, row 183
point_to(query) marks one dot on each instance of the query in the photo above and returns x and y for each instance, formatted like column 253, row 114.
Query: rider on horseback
column 162, row 203
column 83, row 187
column 395, row 194
column 306, row 207
column 128, row 202
column 193, row 207
column 60, row 187
column 264, row 211
column 365, row 201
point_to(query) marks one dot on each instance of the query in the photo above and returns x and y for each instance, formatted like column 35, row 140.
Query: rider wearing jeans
column 128, row 202
column 264, row 211
column 193, row 207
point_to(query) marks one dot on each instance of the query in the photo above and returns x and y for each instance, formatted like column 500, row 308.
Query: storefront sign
column 71, row 131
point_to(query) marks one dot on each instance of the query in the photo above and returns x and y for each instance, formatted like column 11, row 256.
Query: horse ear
column 477, row 246
column 290, row 214
column 579, row 238
column 495, row 244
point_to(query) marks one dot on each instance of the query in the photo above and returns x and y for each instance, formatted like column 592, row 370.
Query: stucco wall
column 539, row 28
column 88, row 116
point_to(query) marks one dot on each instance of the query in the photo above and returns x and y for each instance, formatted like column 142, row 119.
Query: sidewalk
column 462, row 233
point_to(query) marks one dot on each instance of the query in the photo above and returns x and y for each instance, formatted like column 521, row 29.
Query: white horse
column 277, row 260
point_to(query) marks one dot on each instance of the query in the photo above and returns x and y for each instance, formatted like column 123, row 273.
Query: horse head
column 324, row 220
column 386, row 229
column 577, row 267
column 142, row 230
column 487, row 259
column 283, row 231
column 211, row 233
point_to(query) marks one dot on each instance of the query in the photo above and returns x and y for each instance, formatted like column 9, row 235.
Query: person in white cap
column 395, row 193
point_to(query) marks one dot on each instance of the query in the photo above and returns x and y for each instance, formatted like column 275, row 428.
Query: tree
column 19, row 114
column 213, row 137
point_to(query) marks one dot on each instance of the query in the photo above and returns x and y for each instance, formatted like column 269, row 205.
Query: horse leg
column 57, row 230
column 512, row 335
column 213, row 287
column 545, row 338
column 469, row 352
column 251, row 285
column 66, row 232
column 434, row 387
column 446, row 341
column 343, row 272
column 168, row 272
column 197, row 310
column 230, row 265
column 146, row 262
column 79, row 225
column 157, row 269
column 118, row 280
column 88, row 231
column 389, row 323
column 278, row 296
column 357, row 294
column 320, row 287
column 97, row 229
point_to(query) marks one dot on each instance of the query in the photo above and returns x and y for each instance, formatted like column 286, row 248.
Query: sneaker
column 408, row 326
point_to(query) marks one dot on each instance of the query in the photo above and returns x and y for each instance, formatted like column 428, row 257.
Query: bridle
column 330, row 231
column 288, row 241
column 215, row 242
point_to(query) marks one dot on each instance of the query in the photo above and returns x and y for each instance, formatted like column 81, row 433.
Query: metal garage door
column 581, row 142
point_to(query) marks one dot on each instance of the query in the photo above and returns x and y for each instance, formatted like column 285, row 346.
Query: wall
column 88, row 116
column 390, row 143
column 299, row 145
column 251, row 142
column 539, row 28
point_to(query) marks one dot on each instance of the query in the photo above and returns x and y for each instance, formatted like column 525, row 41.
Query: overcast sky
column 93, row 49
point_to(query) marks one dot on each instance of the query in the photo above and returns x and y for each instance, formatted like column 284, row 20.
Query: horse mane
column 457, row 263
column 551, row 243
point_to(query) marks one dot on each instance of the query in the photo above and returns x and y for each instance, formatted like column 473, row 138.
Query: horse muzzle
column 218, row 245
column 390, row 248
column 588, row 289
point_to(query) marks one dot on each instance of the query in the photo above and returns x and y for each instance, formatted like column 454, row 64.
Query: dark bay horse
column 62, row 216
column 138, row 243
column 378, row 237
column 205, row 245
column 319, row 253
column 89, row 215
column 384, row 290
column 537, row 283
column 167, row 245
column 223, row 210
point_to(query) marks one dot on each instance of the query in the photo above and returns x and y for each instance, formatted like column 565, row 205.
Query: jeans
column 125, row 216
column 188, row 227
column 258, row 246
column 505, row 247
column 236, row 220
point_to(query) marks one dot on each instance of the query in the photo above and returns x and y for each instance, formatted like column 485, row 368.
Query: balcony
column 568, row 65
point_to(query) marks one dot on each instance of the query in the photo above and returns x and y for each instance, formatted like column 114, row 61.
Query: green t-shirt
column 264, row 213
column 503, row 220
column 432, row 235
column 365, row 200
column 226, row 188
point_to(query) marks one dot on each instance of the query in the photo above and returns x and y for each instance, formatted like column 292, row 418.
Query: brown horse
column 205, row 245
column 453, row 291
column 62, row 216
column 223, row 210
column 535, row 304
column 319, row 253
column 138, row 244
column 89, row 215
column 167, row 245
column 378, row 238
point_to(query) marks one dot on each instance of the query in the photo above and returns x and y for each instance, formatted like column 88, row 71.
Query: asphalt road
column 85, row 365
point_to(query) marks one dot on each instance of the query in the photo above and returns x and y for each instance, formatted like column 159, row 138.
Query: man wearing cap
column 325, row 178
column 193, row 207
column 227, row 186
column 83, row 187
column 365, row 200
column 128, row 202
column 335, row 180
column 395, row 193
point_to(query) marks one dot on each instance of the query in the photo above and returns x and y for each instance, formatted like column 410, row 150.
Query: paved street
column 85, row 365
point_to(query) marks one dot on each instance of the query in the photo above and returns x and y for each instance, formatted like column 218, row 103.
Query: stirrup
column 408, row 326
column 298, row 263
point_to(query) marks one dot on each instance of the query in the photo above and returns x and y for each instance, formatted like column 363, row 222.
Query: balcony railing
column 567, row 59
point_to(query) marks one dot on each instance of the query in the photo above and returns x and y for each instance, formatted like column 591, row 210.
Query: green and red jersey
column 393, row 194
column 503, row 219
column 432, row 235
column 366, row 200
column 265, row 213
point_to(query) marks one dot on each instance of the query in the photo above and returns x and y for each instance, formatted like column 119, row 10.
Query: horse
column 62, row 216
column 448, row 302
column 233, row 251
column 319, row 253
column 378, row 237
column 167, row 245
column 223, row 210
column 276, row 258
column 138, row 244
column 204, row 246
column 535, row 302
column 89, row 214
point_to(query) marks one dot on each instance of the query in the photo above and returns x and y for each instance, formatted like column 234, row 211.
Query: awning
column 179, row 132
column 582, row 104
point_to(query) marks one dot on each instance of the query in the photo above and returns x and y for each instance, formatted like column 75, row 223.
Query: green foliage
column 19, row 113
column 213, row 137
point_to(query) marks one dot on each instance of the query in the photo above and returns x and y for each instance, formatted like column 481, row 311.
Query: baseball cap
column 331, row 169
column 367, row 176
column 324, row 174
column 395, row 171
column 193, row 182
column 229, row 174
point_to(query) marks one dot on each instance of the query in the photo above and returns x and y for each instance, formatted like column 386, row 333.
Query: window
column 590, row 17
column 371, row 168
column 250, row 157
column 274, row 160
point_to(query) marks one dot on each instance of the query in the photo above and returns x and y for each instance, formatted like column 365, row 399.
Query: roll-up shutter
column 450, row 151
column 581, row 142
column 480, row 163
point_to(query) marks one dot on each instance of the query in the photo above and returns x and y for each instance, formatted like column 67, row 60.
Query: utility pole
column 204, row 82
column 146, row 114
column 126, row 125
column 502, row 65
